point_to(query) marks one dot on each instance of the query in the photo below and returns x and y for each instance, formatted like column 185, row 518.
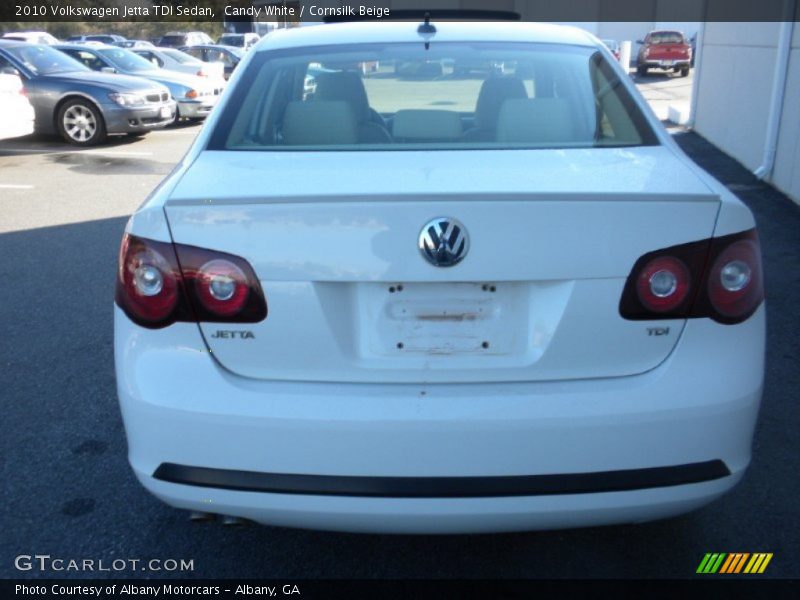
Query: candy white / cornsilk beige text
column 313, row 11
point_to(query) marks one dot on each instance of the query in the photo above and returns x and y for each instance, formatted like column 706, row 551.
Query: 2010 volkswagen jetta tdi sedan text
column 473, row 287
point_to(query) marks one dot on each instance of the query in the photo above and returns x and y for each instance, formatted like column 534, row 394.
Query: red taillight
column 663, row 284
column 719, row 278
column 148, row 281
column 734, row 282
column 159, row 283
column 222, row 287
column 202, row 73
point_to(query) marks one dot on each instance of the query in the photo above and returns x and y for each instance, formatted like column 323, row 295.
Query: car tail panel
column 352, row 298
column 668, row 51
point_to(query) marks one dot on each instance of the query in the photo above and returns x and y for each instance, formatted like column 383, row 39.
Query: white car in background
column 240, row 40
column 173, row 59
column 16, row 113
column 32, row 37
column 490, row 302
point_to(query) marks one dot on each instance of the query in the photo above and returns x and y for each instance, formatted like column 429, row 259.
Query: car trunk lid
column 333, row 239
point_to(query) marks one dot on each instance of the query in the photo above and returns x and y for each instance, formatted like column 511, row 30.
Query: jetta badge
column 443, row 242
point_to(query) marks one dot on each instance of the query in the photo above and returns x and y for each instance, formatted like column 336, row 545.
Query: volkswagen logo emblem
column 443, row 242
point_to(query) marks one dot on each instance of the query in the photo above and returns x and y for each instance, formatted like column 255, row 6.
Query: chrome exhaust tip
column 197, row 516
column 229, row 521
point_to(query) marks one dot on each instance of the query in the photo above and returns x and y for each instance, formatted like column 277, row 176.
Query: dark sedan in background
column 80, row 105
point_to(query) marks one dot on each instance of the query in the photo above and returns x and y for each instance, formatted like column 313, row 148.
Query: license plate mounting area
column 443, row 319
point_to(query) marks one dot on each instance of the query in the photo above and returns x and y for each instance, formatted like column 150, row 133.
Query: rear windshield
column 126, row 60
column 666, row 37
column 450, row 96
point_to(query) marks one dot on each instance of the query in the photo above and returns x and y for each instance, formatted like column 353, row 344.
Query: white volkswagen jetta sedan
column 432, row 301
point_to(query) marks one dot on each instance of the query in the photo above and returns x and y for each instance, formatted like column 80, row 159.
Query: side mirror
column 640, row 41
column 9, row 71
column 108, row 70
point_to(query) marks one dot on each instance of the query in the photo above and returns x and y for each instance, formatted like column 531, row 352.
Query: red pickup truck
column 668, row 50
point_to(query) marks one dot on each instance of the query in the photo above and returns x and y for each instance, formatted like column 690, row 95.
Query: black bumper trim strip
column 443, row 487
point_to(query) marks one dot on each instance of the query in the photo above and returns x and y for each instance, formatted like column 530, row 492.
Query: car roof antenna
column 427, row 31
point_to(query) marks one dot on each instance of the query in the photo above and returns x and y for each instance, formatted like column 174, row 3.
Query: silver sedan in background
column 196, row 96
column 172, row 59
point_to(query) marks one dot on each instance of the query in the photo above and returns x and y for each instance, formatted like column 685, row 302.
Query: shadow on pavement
column 49, row 144
column 52, row 144
column 655, row 77
column 88, row 163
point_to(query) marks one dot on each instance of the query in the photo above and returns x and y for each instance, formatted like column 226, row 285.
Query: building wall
column 735, row 92
column 786, row 175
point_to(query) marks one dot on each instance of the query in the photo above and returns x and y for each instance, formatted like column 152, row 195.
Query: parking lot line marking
column 15, row 186
column 4, row 150
column 93, row 152
column 175, row 132
column 115, row 153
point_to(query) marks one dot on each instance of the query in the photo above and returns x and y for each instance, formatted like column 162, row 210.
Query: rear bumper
column 122, row 119
column 443, row 487
column 665, row 64
column 515, row 456
column 20, row 125
column 196, row 109
column 444, row 515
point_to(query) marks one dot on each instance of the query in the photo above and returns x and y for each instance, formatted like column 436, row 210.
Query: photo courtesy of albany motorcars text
column 438, row 277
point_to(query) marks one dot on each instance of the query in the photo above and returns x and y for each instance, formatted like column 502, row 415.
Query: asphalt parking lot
column 68, row 491
column 662, row 90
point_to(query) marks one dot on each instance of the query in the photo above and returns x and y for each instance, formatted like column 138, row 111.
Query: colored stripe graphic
column 733, row 563
column 711, row 562
column 727, row 564
column 758, row 563
column 703, row 563
column 741, row 562
column 716, row 565
column 766, row 562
